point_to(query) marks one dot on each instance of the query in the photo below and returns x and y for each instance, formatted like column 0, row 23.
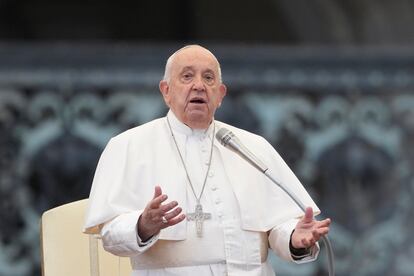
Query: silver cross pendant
column 199, row 218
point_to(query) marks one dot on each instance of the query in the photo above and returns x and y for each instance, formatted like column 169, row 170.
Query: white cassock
column 248, row 212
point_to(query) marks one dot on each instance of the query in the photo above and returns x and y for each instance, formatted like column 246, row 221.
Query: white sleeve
column 120, row 236
column 279, row 239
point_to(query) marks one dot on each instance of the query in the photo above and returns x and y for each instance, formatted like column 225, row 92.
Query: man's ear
column 223, row 91
column 164, row 89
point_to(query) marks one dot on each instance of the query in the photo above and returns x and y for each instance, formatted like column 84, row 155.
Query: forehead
column 196, row 58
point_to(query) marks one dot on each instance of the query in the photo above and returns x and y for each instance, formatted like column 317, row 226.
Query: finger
column 308, row 215
column 323, row 230
column 173, row 213
column 174, row 221
column 324, row 223
column 157, row 192
column 156, row 202
column 169, row 206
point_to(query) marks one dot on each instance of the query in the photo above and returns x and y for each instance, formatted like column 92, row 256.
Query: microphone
column 229, row 140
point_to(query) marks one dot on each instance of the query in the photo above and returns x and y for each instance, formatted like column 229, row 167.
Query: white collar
column 180, row 127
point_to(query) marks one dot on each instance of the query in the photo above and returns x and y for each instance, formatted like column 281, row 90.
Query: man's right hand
column 151, row 220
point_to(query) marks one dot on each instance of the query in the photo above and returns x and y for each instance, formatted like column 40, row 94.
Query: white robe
column 140, row 158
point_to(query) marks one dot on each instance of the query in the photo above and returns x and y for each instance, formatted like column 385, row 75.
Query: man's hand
column 308, row 230
column 151, row 220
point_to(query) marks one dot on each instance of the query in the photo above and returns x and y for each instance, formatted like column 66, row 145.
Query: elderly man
column 223, row 214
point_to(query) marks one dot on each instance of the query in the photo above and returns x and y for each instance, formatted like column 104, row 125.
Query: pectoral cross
column 199, row 218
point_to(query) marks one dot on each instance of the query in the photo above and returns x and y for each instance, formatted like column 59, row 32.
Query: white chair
column 66, row 251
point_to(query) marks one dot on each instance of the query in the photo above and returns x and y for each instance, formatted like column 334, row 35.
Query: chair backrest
column 66, row 251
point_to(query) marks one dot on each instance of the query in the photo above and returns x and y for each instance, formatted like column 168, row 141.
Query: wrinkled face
column 194, row 90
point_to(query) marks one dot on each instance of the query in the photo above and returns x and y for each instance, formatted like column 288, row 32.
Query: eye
column 187, row 76
column 209, row 78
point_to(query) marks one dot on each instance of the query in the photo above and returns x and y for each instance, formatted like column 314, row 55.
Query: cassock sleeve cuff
column 312, row 255
column 120, row 236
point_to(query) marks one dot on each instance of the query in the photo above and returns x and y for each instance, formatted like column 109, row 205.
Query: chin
column 198, row 120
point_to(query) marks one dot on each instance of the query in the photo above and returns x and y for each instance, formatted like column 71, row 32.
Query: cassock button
column 213, row 188
column 210, row 173
column 220, row 214
column 218, row 201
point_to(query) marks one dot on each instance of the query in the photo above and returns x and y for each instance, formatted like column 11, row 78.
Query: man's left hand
column 308, row 230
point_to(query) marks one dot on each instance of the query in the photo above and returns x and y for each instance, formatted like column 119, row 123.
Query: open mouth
column 198, row 101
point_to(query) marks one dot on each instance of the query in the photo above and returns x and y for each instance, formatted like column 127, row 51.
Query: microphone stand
column 227, row 138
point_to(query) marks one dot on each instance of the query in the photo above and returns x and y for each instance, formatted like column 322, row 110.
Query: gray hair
column 168, row 65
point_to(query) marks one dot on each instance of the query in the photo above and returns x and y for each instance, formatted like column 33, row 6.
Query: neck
column 198, row 125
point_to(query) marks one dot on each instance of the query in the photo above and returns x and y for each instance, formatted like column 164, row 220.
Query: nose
column 198, row 84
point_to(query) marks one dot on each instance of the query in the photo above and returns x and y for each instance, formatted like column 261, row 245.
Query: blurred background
column 329, row 83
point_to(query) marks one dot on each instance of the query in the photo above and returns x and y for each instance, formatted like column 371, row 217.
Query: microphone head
column 224, row 135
